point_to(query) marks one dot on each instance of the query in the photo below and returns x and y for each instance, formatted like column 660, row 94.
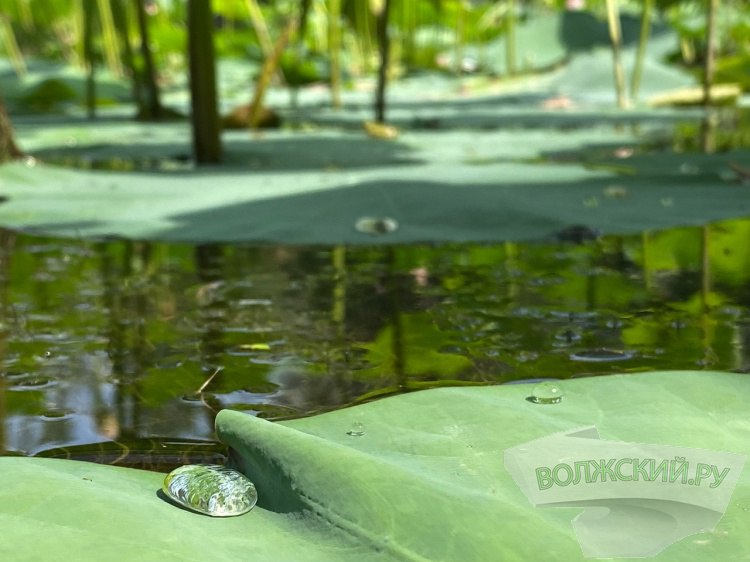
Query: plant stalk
column 615, row 34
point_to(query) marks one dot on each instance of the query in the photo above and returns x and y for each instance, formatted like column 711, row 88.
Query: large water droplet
column 546, row 393
column 356, row 430
column 210, row 489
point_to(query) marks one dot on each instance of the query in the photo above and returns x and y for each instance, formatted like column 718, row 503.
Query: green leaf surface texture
column 424, row 481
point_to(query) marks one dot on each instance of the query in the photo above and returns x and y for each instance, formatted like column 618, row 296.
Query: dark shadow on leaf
column 435, row 212
column 306, row 152
column 488, row 115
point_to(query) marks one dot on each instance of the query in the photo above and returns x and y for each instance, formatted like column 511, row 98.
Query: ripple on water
column 32, row 382
column 602, row 355
column 56, row 414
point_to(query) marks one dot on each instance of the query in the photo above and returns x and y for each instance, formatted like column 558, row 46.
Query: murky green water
column 142, row 343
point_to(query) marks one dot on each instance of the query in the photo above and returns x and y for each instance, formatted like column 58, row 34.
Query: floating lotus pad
column 426, row 480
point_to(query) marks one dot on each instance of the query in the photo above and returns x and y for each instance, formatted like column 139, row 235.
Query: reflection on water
column 135, row 342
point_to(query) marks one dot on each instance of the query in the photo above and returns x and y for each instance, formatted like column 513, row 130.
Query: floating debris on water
column 380, row 130
column 210, row 489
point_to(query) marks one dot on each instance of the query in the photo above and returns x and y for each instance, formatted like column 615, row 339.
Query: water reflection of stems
column 709, row 355
column 209, row 263
column 646, row 259
column 126, row 302
column 392, row 284
column 6, row 244
column 338, row 312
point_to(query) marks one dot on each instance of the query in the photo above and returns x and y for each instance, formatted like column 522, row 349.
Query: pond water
column 117, row 346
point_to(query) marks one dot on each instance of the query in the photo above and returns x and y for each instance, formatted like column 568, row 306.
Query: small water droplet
column 689, row 169
column 591, row 202
column 546, row 393
column 356, row 430
column 376, row 225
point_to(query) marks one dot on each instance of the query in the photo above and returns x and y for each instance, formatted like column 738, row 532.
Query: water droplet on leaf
column 376, row 226
column 211, row 490
column 356, row 430
column 546, row 393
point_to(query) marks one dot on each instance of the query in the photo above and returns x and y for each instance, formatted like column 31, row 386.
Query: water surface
column 141, row 343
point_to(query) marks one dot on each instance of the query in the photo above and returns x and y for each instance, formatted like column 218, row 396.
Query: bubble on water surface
column 546, row 393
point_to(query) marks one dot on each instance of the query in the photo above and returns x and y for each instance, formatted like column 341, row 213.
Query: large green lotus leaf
column 70, row 510
column 425, row 481
column 436, row 201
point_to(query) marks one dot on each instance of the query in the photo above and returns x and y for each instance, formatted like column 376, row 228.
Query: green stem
column 11, row 47
column 270, row 66
column 460, row 37
column 635, row 83
column 205, row 118
column 153, row 109
column 384, row 46
column 708, row 75
column 615, row 34
column 109, row 37
column 120, row 13
column 510, row 39
column 261, row 29
column 88, row 7
column 334, row 50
